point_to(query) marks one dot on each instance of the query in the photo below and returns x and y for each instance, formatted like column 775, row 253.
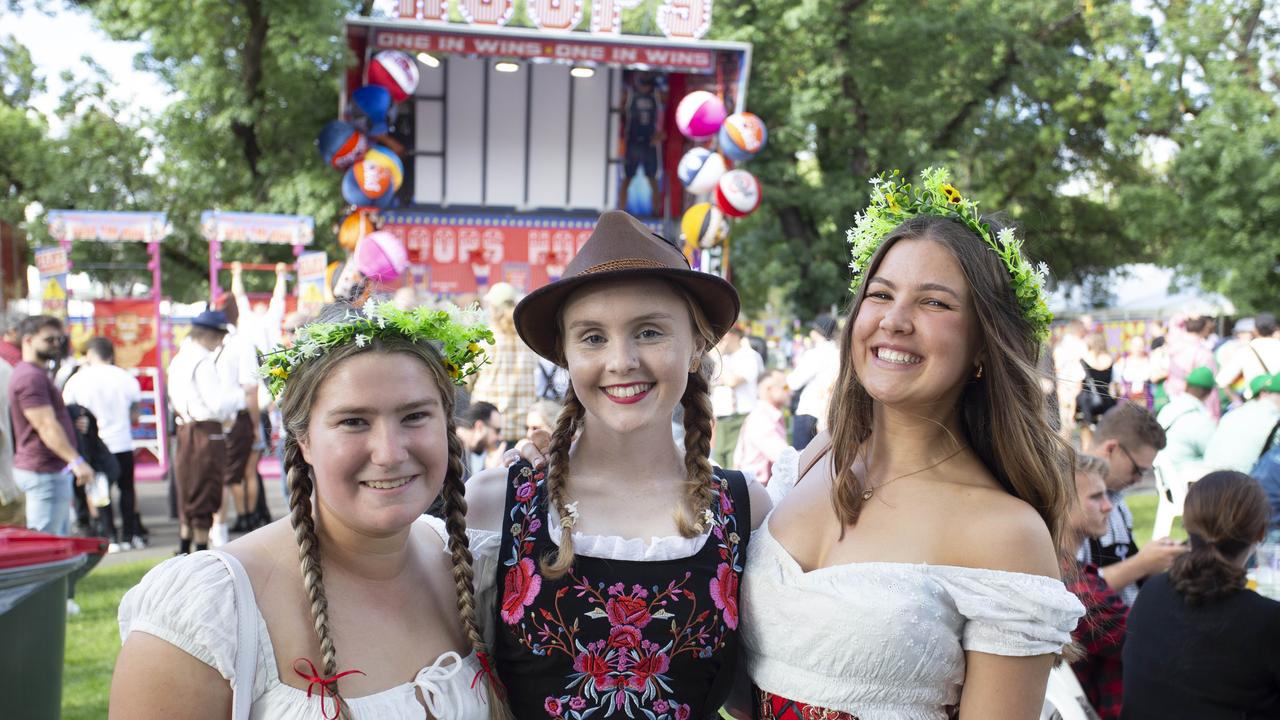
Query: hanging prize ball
column 372, row 103
column 381, row 256
column 699, row 115
column 700, row 170
column 395, row 71
column 703, row 225
column 738, row 193
column 340, row 144
column 355, row 226
column 383, row 157
column 361, row 185
column 742, row 136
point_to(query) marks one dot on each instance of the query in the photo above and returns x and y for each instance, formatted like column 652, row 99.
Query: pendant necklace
column 866, row 494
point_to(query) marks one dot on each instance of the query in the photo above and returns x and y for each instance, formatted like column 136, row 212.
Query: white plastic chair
column 1064, row 698
column 1171, row 493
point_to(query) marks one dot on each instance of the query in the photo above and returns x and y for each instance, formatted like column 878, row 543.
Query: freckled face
column 916, row 337
column 628, row 346
column 377, row 442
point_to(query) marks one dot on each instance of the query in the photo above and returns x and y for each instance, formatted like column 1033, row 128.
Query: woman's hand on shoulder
column 1005, row 533
column 487, row 499
column 155, row 679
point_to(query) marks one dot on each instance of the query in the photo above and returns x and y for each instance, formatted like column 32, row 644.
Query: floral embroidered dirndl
column 772, row 707
column 656, row 640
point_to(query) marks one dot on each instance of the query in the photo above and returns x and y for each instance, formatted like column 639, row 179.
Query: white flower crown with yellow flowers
column 457, row 332
column 894, row 201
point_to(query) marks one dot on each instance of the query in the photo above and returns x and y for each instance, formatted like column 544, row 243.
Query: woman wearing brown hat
column 617, row 568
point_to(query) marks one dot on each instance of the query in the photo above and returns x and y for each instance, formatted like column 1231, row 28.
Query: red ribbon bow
column 326, row 691
column 486, row 671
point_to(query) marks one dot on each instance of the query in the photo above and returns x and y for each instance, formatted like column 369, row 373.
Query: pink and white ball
column 738, row 193
column 699, row 115
column 395, row 71
column 381, row 256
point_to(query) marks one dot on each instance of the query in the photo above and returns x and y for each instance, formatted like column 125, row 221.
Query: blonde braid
column 455, row 512
column 304, row 531
column 699, row 480
column 557, row 476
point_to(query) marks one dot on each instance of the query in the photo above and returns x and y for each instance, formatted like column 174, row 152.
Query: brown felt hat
column 621, row 247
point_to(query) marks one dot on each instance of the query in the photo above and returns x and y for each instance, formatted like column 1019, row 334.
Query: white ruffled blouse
column 189, row 602
column 887, row 640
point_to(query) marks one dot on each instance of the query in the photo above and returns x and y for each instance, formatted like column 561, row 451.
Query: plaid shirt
column 1101, row 633
column 509, row 381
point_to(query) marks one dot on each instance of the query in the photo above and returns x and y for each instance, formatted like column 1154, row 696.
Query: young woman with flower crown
column 910, row 574
column 356, row 590
column 617, row 569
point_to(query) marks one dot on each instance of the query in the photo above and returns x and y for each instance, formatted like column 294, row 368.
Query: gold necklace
column 866, row 494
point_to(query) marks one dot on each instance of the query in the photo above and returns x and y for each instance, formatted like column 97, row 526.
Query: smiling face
column 628, row 346
column 379, row 455
column 915, row 338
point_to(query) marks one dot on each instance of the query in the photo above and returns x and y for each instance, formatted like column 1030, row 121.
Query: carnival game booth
column 513, row 140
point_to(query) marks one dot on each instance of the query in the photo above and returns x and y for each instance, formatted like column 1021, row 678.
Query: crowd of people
column 528, row 510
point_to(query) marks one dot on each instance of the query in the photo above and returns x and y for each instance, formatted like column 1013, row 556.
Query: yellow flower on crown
column 454, row 372
column 280, row 373
column 473, row 347
column 953, row 195
column 891, row 203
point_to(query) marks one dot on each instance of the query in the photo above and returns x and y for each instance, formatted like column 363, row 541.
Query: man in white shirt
column 1249, row 359
column 237, row 361
column 112, row 394
column 814, row 376
column 205, row 405
column 733, row 392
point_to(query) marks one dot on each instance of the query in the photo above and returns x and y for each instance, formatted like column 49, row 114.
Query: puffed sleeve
column 484, row 548
column 190, row 603
column 1012, row 614
column 782, row 477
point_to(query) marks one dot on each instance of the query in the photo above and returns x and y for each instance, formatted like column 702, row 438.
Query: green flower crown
column 458, row 332
column 894, row 201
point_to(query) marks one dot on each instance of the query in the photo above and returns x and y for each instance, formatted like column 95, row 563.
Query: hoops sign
column 678, row 19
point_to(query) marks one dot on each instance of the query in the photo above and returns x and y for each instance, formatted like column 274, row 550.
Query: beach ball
column 738, row 193
column 381, row 256
column 340, row 144
column 353, row 186
column 353, row 227
column 742, row 136
column 383, row 157
column 395, row 71
column 700, row 170
column 371, row 104
column 699, row 115
column 703, row 225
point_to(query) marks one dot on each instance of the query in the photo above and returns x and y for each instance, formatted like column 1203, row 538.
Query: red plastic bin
column 19, row 547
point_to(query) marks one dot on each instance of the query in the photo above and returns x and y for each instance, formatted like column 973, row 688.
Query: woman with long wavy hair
column 1200, row 645
column 911, row 573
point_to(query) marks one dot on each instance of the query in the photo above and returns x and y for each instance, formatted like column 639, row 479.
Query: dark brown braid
column 699, row 479
column 304, row 531
column 558, row 475
column 455, row 510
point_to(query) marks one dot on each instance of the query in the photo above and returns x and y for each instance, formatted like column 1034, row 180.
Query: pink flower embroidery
column 591, row 663
column 577, row 703
column 520, row 588
column 724, row 592
column 552, row 706
column 682, row 712
column 627, row 610
column 660, row 706
column 624, row 636
column 524, row 492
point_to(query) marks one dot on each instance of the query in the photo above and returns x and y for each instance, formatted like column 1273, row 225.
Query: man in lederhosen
column 204, row 404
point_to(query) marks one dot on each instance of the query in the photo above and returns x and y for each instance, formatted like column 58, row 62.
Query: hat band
column 624, row 264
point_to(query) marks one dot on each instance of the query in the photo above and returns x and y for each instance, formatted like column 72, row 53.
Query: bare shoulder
column 761, row 503
column 156, row 679
column 486, row 499
column 1002, row 532
column 816, row 448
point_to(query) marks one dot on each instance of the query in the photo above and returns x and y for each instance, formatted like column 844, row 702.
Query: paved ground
column 153, row 502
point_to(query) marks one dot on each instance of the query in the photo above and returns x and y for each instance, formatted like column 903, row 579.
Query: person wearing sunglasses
column 1128, row 438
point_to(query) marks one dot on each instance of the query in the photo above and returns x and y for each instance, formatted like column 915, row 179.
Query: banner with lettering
column 103, row 226
column 129, row 324
column 311, row 281
column 260, row 228
column 53, row 266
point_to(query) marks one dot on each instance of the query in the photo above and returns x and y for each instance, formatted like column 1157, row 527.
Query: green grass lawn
column 1143, row 507
column 93, row 639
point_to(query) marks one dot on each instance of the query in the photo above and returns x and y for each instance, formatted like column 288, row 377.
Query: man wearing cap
column 1187, row 428
column 1253, row 356
column 1243, row 433
column 205, row 404
column 814, row 376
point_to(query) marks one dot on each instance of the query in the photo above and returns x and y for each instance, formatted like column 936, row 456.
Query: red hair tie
column 326, row 691
column 486, row 671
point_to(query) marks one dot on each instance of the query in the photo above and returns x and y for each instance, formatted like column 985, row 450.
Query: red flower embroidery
column 525, row 491
column 591, row 663
column 682, row 712
column 520, row 587
column 624, row 636
column 552, row 706
column 724, row 592
column 627, row 610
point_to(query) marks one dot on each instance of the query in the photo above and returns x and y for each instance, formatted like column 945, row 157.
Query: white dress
column 189, row 602
column 886, row 641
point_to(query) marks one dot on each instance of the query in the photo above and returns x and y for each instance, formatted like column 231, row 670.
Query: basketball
column 742, row 136
column 383, row 157
column 738, row 193
column 340, row 144
column 699, row 115
column 395, row 71
column 381, row 256
column 700, row 170
column 375, row 176
column 353, row 227
column 703, row 225
column 370, row 106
